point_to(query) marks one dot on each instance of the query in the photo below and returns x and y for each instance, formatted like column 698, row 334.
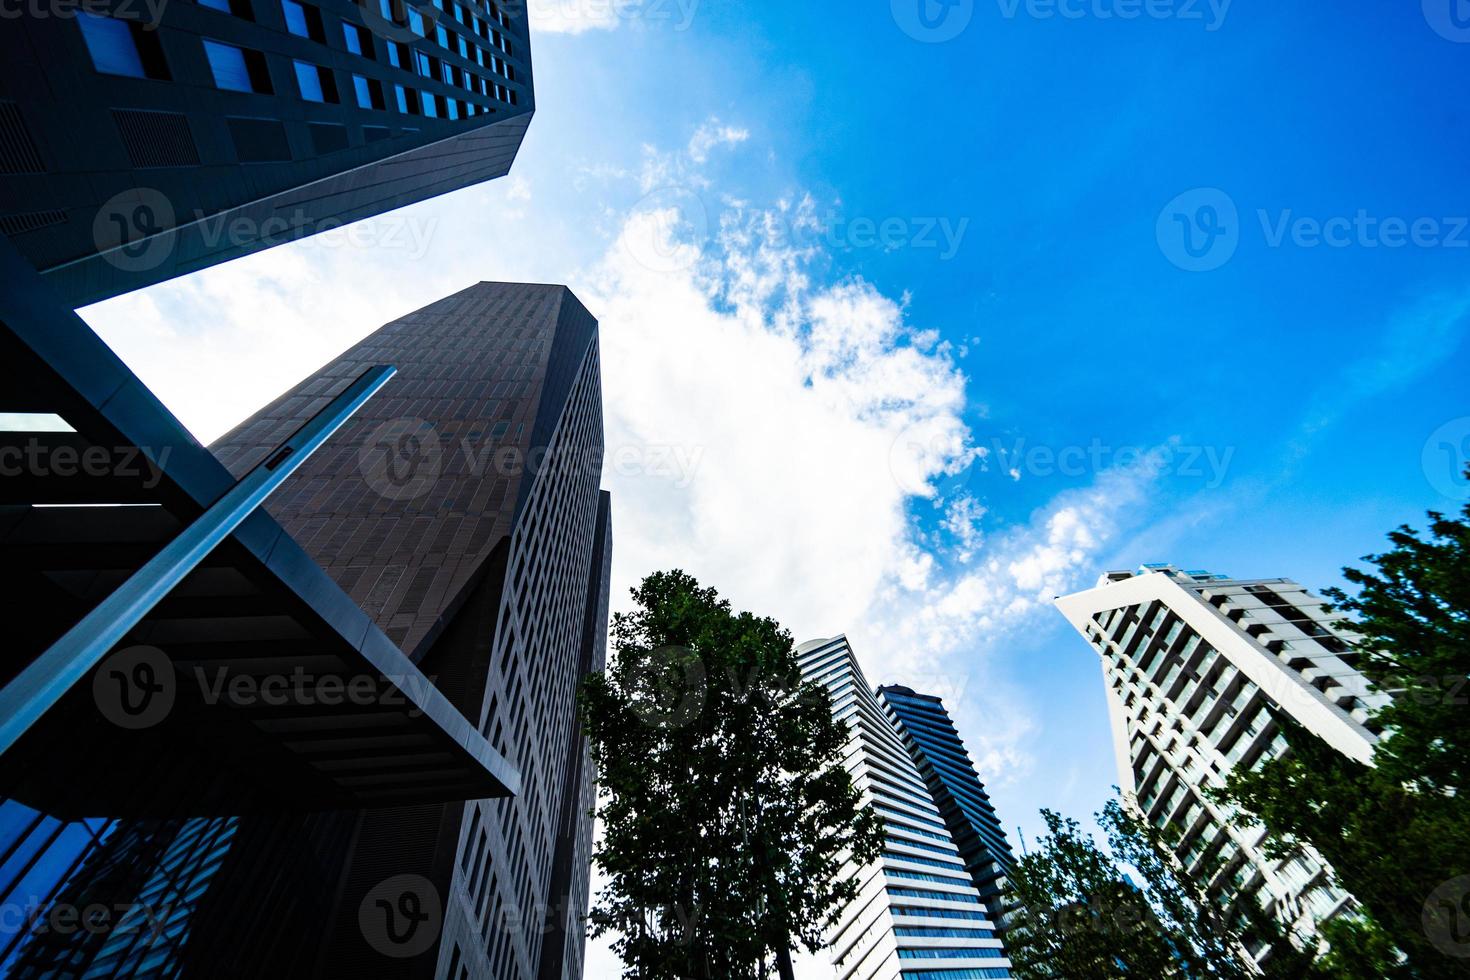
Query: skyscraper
column 141, row 140
column 460, row 512
column 937, row 749
column 918, row 914
column 1193, row 663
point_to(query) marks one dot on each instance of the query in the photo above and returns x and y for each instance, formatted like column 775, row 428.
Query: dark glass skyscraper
column 460, row 511
column 941, row 757
column 144, row 139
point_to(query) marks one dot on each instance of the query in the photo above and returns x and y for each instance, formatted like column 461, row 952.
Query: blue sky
column 903, row 337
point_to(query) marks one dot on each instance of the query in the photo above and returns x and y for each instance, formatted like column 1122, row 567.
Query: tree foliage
column 726, row 810
column 1083, row 916
column 1397, row 834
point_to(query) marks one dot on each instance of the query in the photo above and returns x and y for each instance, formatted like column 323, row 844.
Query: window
column 238, row 8
column 236, row 69
column 358, row 40
column 369, row 92
column 120, row 47
column 316, row 83
column 430, row 108
column 304, row 21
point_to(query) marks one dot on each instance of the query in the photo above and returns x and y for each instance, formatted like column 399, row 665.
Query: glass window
column 239, row 8
column 304, row 21
column 227, row 62
column 402, row 99
column 431, row 109
column 295, row 18
column 111, row 45
column 308, row 78
column 358, row 40
column 369, row 92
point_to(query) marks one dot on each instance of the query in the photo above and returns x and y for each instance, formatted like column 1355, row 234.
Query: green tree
column 1083, row 915
column 726, row 810
column 1397, row 834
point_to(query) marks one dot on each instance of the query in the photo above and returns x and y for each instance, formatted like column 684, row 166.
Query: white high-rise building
column 918, row 915
column 1191, row 661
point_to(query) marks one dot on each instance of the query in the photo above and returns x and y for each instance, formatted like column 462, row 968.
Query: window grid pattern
column 907, row 882
column 507, row 846
column 1191, row 714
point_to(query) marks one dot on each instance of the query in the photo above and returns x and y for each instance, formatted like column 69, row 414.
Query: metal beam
column 43, row 683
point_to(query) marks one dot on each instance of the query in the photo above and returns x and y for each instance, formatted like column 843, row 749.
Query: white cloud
column 768, row 428
column 712, row 134
column 572, row 16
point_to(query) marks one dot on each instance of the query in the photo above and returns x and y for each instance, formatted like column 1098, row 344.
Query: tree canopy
column 1397, row 834
column 726, row 810
column 1130, row 911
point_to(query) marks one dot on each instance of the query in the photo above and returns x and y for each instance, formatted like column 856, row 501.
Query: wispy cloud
column 769, row 425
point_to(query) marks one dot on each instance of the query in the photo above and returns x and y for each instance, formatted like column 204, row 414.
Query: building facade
column 918, row 914
column 1193, row 663
column 460, row 512
column 141, row 140
column 935, row 745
